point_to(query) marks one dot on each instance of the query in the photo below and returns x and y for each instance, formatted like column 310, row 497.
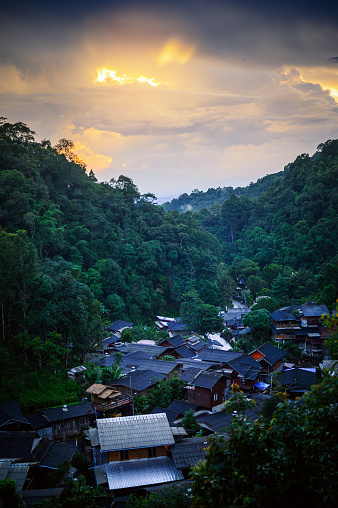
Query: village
column 129, row 450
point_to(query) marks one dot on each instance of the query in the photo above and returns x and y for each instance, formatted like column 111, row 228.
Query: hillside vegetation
column 76, row 252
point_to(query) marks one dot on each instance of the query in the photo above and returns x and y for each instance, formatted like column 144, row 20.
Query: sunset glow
column 104, row 74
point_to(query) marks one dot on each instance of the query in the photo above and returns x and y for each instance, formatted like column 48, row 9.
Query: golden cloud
column 93, row 160
column 175, row 51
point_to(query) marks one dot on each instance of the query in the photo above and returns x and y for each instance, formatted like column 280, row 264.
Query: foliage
column 168, row 497
column 189, row 421
column 9, row 497
column 198, row 316
column 238, row 401
column 162, row 394
column 331, row 342
column 259, row 322
column 288, row 461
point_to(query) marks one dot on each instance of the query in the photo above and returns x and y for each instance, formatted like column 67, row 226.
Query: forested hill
column 76, row 252
column 198, row 199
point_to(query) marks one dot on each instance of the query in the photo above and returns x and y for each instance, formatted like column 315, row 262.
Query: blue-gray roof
column 57, row 414
column 132, row 347
column 136, row 473
column 140, row 431
column 176, row 341
column 219, row 421
column 16, row 444
column 139, row 379
column 218, row 355
column 189, row 451
column 298, row 379
column 118, row 325
column 10, row 412
column 181, row 406
column 58, row 453
column 313, row 310
column 246, row 367
column 185, row 352
column 206, row 380
column 281, row 315
column 189, row 375
column 271, row 353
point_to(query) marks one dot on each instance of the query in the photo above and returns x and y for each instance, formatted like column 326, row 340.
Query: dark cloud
column 333, row 60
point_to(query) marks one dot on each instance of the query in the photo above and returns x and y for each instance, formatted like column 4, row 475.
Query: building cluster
column 137, row 451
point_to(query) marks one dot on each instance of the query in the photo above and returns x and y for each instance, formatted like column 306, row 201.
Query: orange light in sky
column 104, row 74
column 175, row 51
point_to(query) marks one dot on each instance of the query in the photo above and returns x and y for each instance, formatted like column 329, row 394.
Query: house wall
column 70, row 426
column 207, row 397
column 138, row 453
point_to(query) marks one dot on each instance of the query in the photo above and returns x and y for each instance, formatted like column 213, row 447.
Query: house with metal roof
column 119, row 326
column 245, row 372
column 11, row 417
column 134, row 451
column 138, row 382
column 268, row 356
column 62, row 421
column 207, row 389
column 310, row 313
column 188, row 452
column 218, row 355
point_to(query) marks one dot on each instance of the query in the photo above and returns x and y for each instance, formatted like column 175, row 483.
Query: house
column 174, row 342
column 196, row 343
column 310, row 313
column 218, row 422
column 63, row 420
column 133, row 451
column 106, row 400
column 169, row 369
column 298, row 380
column 77, row 373
column 281, row 319
column 11, row 417
column 268, row 356
column 244, row 371
column 177, row 327
column 108, row 344
column 137, row 382
column 119, row 326
column 188, row 452
column 153, row 350
column 184, row 352
column 218, row 356
column 207, row 389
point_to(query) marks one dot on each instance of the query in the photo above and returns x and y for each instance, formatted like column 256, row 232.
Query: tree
column 189, row 421
column 9, row 497
column 288, row 461
column 200, row 317
column 259, row 322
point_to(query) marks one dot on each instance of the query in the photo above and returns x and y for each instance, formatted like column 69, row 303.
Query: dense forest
column 76, row 252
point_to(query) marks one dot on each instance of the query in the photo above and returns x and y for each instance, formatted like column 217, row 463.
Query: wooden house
column 207, row 389
column 106, row 400
column 268, row 356
column 134, row 451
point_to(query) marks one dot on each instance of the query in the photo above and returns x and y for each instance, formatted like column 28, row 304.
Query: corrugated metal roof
column 18, row 472
column 189, row 451
column 4, row 468
column 141, row 431
column 135, row 473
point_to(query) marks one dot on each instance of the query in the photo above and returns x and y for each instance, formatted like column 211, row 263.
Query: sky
column 177, row 95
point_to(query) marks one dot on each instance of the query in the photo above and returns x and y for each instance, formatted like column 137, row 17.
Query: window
column 215, row 396
column 151, row 452
column 124, row 455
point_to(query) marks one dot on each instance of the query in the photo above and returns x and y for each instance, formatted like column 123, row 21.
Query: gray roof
column 271, row 353
column 219, row 421
column 16, row 444
column 57, row 414
column 171, row 415
column 218, row 355
column 206, row 379
column 189, row 451
column 176, row 341
column 4, row 468
column 139, row 379
column 152, row 349
column 128, row 432
column 195, row 363
column 38, row 495
column 18, row 472
column 58, row 453
column 136, row 473
column 246, row 366
column 185, row 351
column 298, row 379
column 281, row 315
column 313, row 310
column 181, row 406
column 189, row 375
column 118, row 325
column 10, row 412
